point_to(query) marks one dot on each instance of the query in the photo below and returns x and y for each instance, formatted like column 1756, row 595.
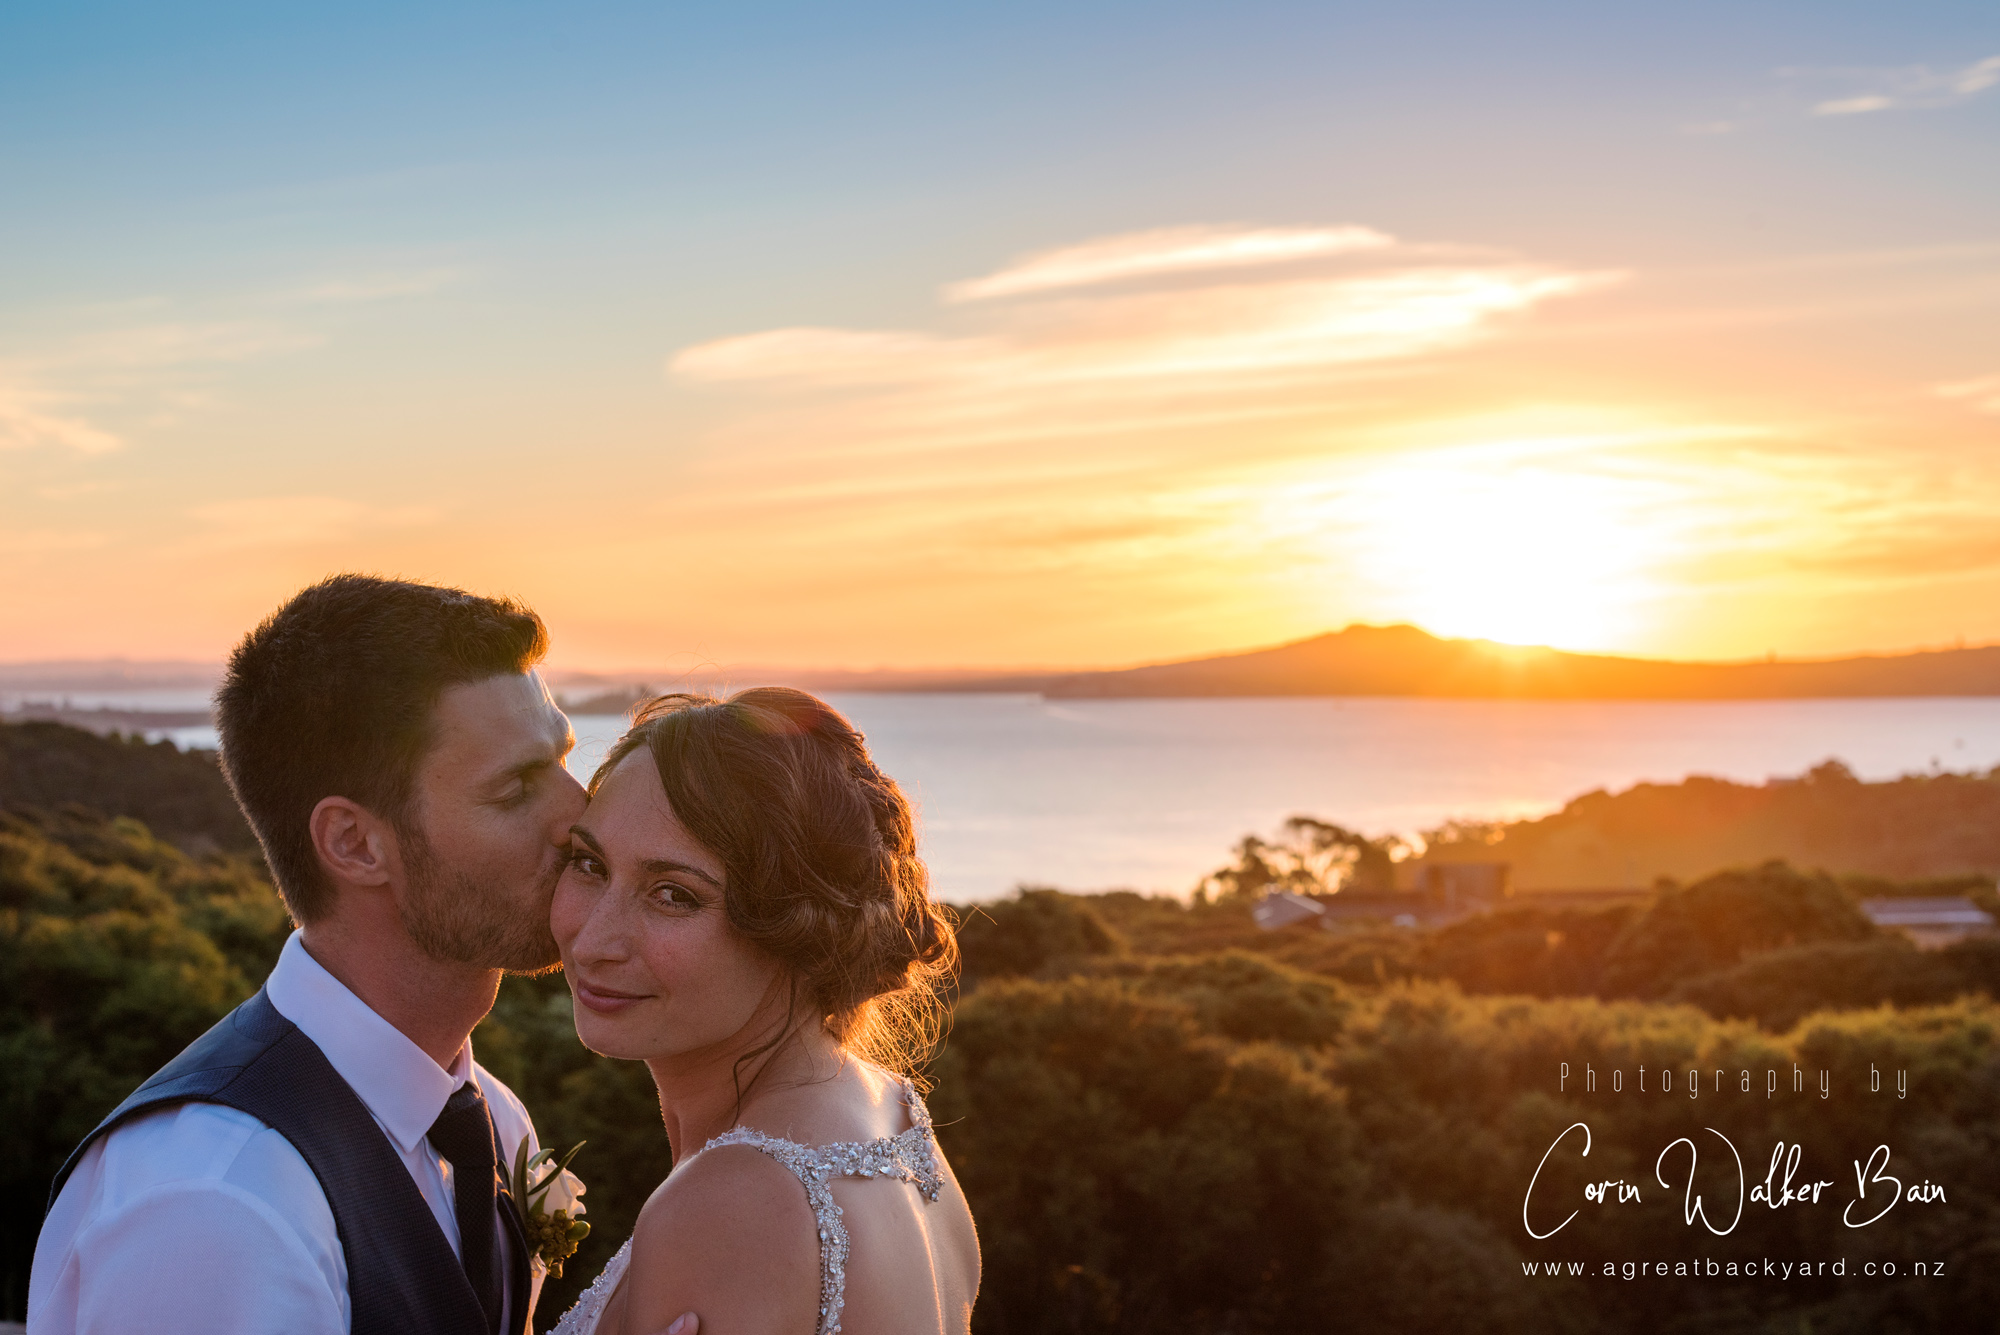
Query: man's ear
column 355, row 845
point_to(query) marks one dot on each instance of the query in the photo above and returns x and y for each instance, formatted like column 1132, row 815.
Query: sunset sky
column 910, row 336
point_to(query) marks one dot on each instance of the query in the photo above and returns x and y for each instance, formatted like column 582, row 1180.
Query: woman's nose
column 600, row 934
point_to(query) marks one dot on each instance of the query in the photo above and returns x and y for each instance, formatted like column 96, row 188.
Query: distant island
column 1361, row 660
column 1407, row 661
column 1411, row 662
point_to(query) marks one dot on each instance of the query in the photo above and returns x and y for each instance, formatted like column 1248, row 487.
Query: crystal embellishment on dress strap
column 909, row 1157
column 582, row 1317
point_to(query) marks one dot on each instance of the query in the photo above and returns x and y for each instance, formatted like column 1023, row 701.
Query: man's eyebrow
column 563, row 744
column 525, row 768
column 669, row 865
column 556, row 744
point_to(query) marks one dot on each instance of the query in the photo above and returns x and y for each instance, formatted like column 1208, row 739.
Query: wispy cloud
column 1199, row 454
column 142, row 362
column 1854, row 106
column 1169, row 250
column 1982, row 394
column 127, row 349
column 1216, row 333
column 290, row 521
column 831, row 356
column 1078, row 426
column 56, row 393
column 1079, row 442
column 1905, row 87
column 26, row 423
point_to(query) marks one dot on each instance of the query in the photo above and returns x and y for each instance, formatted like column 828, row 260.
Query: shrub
column 1697, row 929
column 1036, row 932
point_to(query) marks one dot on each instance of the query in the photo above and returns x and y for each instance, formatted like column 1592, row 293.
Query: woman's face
column 655, row 967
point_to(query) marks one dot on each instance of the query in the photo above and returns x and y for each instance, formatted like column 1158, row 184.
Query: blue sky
column 287, row 290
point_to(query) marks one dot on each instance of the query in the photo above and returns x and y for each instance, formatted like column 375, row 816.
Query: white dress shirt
column 200, row 1218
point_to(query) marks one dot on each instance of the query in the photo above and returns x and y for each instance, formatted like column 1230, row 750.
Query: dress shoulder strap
column 909, row 1157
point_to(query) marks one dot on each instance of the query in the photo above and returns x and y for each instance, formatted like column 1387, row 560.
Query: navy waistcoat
column 402, row 1275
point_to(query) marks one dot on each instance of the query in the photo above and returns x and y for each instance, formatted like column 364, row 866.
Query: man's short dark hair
column 333, row 695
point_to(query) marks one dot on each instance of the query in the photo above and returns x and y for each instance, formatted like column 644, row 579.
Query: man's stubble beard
column 450, row 917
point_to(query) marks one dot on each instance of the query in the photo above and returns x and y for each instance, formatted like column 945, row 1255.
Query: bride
column 744, row 911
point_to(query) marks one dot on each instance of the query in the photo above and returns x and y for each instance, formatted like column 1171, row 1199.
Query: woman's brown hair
column 819, row 852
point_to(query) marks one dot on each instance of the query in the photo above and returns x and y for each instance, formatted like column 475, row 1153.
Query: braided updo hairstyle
column 819, row 852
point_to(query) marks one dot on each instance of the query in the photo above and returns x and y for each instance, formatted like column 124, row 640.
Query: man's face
column 490, row 814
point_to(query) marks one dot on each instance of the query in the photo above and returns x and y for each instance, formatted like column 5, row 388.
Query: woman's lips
column 604, row 1000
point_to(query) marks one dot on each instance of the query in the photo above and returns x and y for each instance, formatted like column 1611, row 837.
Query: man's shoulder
column 192, row 1143
column 196, row 1190
column 180, row 1140
column 196, row 1164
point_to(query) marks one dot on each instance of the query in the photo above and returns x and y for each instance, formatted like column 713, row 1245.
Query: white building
column 1929, row 922
column 1283, row 908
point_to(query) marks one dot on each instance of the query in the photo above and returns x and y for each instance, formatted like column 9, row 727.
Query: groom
column 329, row 1158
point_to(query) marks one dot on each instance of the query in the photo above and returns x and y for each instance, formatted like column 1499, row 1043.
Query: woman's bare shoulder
column 729, row 1235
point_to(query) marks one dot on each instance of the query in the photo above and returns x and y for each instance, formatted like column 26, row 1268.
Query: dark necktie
column 463, row 1134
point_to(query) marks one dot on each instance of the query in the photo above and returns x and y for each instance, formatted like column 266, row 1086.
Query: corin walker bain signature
column 1774, row 1191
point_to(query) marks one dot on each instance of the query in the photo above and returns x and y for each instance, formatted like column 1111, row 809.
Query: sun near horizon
column 1699, row 364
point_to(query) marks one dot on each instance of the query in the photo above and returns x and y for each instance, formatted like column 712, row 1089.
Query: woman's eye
column 676, row 897
column 586, row 863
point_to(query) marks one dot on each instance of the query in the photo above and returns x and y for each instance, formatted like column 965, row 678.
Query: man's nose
column 569, row 805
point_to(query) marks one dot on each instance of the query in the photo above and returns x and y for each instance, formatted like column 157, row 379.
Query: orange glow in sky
column 1646, row 372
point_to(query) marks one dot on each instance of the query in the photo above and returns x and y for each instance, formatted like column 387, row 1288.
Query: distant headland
column 1407, row 661
column 1361, row 660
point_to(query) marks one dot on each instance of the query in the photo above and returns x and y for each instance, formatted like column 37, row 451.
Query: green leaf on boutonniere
column 550, row 1197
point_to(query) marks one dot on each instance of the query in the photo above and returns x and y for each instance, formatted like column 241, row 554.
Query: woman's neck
column 703, row 1095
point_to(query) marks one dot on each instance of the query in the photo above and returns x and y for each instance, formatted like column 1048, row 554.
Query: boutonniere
column 549, row 1197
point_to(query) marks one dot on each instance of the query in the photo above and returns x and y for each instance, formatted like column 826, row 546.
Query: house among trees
column 1433, row 895
column 1454, row 883
column 1931, row 922
column 1283, row 908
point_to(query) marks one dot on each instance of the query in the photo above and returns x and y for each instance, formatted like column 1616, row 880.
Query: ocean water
column 1151, row 794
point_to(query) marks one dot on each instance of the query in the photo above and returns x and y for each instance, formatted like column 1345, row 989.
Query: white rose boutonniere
column 550, row 1197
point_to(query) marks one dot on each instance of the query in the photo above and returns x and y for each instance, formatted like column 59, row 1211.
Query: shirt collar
column 402, row 1087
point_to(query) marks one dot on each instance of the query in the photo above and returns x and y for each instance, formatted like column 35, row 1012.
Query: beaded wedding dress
column 908, row 1157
